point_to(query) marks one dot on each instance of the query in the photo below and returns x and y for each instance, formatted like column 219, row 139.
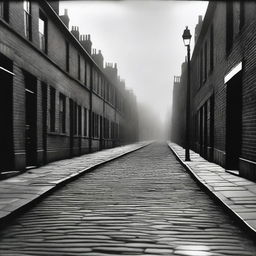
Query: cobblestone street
column 143, row 203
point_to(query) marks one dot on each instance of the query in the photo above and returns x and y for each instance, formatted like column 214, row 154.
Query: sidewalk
column 236, row 194
column 22, row 191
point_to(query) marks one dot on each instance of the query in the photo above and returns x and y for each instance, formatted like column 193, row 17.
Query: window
column 211, row 49
column 96, row 119
column 86, row 122
column 4, row 10
column 52, row 109
column 67, row 56
column 106, row 128
column 75, row 119
column 79, row 120
column 229, row 26
column 112, row 130
column 42, row 32
column 92, row 123
column 96, row 82
column 78, row 67
column 27, row 20
column 88, row 75
column 205, row 61
column 62, row 113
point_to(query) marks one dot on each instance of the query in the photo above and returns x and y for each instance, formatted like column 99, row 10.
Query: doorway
column 71, row 127
column 31, row 119
column 234, row 122
column 6, row 114
column 44, row 119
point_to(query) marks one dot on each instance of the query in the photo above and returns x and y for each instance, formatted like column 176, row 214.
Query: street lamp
column 186, row 38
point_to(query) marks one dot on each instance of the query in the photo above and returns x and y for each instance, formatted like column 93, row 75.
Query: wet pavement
column 144, row 203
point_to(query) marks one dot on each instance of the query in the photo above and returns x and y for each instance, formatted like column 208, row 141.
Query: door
column 234, row 122
column 6, row 114
column 101, row 133
column 71, row 127
column 44, row 118
column 31, row 119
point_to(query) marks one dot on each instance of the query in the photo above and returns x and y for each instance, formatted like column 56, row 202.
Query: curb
column 242, row 223
column 7, row 218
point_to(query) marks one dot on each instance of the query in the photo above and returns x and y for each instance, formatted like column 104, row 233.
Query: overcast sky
column 144, row 38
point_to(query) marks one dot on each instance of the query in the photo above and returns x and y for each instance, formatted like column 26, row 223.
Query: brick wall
column 50, row 69
column 243, row 50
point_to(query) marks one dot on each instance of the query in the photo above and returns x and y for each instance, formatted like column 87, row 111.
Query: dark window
column 27, row 20
column 4, row 10
column 241, row 24
column 211, row 49
column 85, row 73
column 229, row 26
column 85, row 122
column 62, row 113
column 96, row 82
column 92, row 124
column 112, row 130
column 96, row 119
column 67, row 56
column 88, row 74
column 95, row 125
column 106, row 128
column 79, row 120
column 78, row 67
column 205, row 61
column 42, row 32
column 52, row 109
column 75, row 119
column 201, row 67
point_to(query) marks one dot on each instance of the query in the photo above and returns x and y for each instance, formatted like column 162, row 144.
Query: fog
column 144, row 38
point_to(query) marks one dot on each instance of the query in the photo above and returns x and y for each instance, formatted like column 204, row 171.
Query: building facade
column 223, row 78
column 57, row 99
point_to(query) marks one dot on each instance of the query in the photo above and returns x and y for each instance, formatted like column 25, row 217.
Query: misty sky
column 144, row 38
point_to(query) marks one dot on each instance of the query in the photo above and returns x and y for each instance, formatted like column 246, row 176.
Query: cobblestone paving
column 141, row 204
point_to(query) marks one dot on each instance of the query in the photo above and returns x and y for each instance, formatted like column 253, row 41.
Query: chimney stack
column 65, row 18
column 75, row 32
column 98, row 57
column 85, row 41
column 198, row 27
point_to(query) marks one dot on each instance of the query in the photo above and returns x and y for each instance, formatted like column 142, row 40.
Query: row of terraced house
column 223, row 88
column 58, row 99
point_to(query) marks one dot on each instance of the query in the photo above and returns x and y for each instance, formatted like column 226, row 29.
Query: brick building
column 57, row 99
column 223, row 78
column 178, row 122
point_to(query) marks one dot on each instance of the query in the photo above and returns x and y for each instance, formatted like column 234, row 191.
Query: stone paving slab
column 20, row 191
column 237, row 194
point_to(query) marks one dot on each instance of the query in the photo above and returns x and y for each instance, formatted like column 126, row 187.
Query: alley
column 144, row 203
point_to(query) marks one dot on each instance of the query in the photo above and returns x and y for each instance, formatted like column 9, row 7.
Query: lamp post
column 186, row 38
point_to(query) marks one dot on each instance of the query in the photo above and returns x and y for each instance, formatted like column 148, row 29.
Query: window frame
column 27, row 19
column 52, row 109
column 43, row 17
column 62, row 113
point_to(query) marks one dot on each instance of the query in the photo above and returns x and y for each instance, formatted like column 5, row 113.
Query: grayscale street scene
column 128, row 128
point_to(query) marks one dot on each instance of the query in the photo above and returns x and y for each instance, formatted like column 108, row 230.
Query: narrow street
column 144, row 203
